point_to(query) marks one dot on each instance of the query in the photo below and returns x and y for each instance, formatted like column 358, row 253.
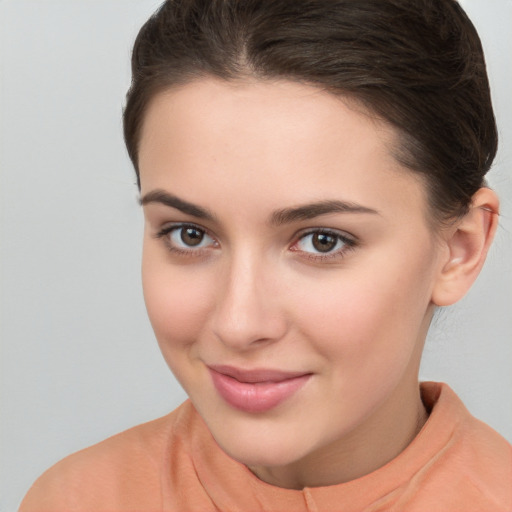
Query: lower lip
column 256, row 397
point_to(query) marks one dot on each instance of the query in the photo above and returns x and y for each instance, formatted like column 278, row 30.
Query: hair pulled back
column 416, row 64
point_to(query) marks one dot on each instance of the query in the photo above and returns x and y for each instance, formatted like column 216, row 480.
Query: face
column 288, row 266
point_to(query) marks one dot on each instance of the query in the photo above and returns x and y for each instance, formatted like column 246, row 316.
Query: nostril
column 246, row 312
column 248, row 327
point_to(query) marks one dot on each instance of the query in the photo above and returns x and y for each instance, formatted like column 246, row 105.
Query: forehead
column 279, row 140
column 278, row 109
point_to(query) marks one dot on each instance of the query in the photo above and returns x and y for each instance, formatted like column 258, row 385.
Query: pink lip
column 257, row 390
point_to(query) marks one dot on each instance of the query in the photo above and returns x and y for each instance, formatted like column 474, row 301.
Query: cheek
column 347, row 321
column 176, row 301
column 368, row 316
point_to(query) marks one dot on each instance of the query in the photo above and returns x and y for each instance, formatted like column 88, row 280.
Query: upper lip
column 254, row 375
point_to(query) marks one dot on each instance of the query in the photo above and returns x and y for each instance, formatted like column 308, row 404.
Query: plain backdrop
column 78, row 358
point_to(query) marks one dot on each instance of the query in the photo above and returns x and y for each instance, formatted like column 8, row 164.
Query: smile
column 257, row 390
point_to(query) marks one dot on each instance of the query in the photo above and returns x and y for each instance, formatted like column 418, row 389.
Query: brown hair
column 417, row 64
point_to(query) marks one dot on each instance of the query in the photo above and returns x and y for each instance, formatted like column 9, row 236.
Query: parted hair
column 415, row 64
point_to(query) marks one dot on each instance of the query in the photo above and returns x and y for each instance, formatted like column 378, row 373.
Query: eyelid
column 350, row 243
column 344, row 235
column 191, row 251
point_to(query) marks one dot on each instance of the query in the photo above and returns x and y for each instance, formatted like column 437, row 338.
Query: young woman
column 312, row 175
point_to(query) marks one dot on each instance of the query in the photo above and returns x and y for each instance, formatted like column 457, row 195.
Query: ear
column 467, row 244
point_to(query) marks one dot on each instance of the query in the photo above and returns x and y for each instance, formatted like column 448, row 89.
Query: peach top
column 456, row 463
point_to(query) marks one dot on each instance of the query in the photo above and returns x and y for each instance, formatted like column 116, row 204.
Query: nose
column 248, row 312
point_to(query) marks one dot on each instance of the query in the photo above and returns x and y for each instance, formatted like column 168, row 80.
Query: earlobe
column 467, row 245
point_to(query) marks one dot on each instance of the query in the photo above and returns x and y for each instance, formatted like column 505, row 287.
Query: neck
column 383, row 436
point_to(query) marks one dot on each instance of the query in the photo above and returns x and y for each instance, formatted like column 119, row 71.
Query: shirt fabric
column 455, row 464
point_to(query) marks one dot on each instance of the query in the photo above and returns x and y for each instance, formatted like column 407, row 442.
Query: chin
column 260, row 446
column 258, row 455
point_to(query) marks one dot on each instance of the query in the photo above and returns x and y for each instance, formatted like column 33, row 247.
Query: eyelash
column 349, row 243
column 166, row 231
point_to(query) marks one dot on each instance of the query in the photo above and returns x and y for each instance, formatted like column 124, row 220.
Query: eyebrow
column 312, row 210
column 162, row 197
column 278, row 217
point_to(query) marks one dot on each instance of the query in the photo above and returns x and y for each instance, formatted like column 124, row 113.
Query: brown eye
column 187, row 237
column 324, row 242
column 191, row 236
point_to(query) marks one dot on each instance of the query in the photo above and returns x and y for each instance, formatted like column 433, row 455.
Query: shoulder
column 485, row 461
column 473, row 462
column 122, row 472
column 469, row 436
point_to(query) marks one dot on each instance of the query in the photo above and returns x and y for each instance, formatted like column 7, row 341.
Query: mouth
column 256, row 390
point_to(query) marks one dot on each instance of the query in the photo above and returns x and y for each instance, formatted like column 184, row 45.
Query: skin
column 256, row 293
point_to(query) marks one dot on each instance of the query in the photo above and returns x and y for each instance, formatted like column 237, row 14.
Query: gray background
column 78, row 358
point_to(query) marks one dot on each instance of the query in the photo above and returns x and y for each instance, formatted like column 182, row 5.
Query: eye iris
column 191, row 236
column 324, row 242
